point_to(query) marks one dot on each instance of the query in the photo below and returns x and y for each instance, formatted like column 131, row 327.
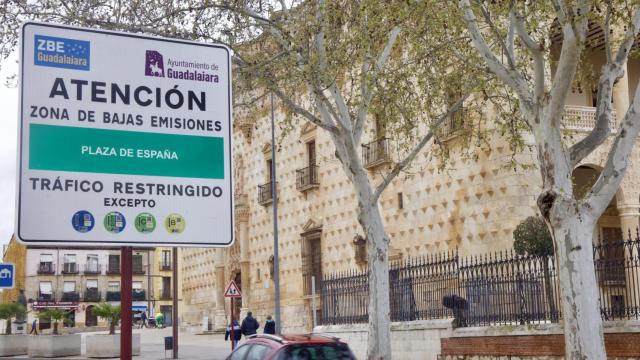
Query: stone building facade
column 470, row 205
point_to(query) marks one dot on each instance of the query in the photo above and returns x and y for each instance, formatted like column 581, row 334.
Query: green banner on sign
column 66, row 148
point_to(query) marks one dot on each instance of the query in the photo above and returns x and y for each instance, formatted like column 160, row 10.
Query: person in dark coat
column 249, row 325
column 237, row 333
column 143, row 317
column 269, row 326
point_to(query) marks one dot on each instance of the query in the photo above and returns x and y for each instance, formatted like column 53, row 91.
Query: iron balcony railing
column 46, row 268
column 46, row 296
column 92, row 269
column 70, row 296
column 307, row 178
column 113, row 270
column 92, row 295
column 265, row 195
column 165, row 295
column 494, row 289
column 453, row 124
column 113, row 296
column 165, row 266
column 70, row 268
column 376, row 153
column 138, row 270
column 138, row 295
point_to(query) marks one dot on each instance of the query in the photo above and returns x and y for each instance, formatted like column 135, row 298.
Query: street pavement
column 191, row 346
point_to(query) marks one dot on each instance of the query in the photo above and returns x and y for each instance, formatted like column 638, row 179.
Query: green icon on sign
column 145, row 223
column 114, row 222
column 175, row 223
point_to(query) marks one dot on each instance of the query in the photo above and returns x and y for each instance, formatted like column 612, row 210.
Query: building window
column 46, row 265
column 114, row 286
column 311, row 152
column 92, row 266
column 113, row 291
column 166, row 288
column 70, row 266
column 69, row 291
column 46, row 291
column 69, row 286
column 311, row 259
column 400, row 201
column 138, row 292
column 92, row 284
column 307, row 177
column 165, row 263
column 114, row 264
column 137, row 264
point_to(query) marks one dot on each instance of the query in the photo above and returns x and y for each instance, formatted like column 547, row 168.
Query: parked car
column 292, row 347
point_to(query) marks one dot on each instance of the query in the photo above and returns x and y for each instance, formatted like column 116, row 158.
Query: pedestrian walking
column 249, row 325
column 160, row 320
column 237, row 333
column 143, row 317
column 34, row 327
column 270, row 326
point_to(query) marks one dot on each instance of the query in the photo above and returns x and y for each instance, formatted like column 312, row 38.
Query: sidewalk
column 197, row 347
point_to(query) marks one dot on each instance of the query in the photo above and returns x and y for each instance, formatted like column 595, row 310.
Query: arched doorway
column 90, row 318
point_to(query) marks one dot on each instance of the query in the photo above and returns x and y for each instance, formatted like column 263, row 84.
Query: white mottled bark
column 573, row 233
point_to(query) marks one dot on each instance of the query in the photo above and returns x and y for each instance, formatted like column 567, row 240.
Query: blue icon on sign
column 61, row 52
column 82, row 221
column 7, row 272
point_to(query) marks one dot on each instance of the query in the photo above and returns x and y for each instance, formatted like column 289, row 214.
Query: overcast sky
column 8, row 137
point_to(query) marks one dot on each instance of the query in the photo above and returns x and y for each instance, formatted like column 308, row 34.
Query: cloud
column 8, row 148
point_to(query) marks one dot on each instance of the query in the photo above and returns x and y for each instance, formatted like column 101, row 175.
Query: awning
column 138, row 306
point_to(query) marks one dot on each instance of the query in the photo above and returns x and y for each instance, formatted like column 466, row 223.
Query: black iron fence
column 495, row 289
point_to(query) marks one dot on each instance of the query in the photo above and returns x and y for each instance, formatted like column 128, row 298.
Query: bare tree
column 338, row 64
column 513, row 39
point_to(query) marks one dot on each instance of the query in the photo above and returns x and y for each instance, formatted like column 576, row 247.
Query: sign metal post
column 126, row 292
column 232, row 292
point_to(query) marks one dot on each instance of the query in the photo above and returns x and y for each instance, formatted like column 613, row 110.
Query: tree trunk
column 8, row 329
column 55, row 328
column 573, row 238
column 112, row 327
column 379, row 339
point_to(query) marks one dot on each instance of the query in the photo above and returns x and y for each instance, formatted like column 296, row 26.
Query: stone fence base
column 436, row 340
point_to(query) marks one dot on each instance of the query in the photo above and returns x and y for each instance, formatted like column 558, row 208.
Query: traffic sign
column 232, row 290
column 7, row 276
column 124, row 140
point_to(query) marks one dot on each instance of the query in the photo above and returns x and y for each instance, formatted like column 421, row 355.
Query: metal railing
column 376, row 152
column 138, row 295
column 113, row 296
column 92, row 295
column 46, row 268
column 164, row 266
column 265, row 195
column 70, row 296
column 494, row 289
column 307, row 177
column 165, row 295
column 453, row 124
column 70, row 268
column 92, row 269
column 113, row 270
column 49, row 296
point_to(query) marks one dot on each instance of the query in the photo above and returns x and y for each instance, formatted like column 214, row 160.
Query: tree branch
column 611, row 71
column 416, row 150
column 536, row 50
column 511, row 77
column 369, row 77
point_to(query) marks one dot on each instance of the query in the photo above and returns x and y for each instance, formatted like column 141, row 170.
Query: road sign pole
column 175, row 303
column 274, row 194
column 231, row 327
column 125, row 302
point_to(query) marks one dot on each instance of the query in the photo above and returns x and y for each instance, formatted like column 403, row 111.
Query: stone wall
column 409, row 340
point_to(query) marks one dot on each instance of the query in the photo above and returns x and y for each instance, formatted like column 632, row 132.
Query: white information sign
column 124, row 140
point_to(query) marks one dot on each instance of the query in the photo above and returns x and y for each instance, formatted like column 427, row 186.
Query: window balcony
column 583, row 118
column 92, row 269
column 265, row 195
column 165, row 266
column 113, row 270
column 165, row 295
column 46, row 296
column 376, row 153
column 70, row 296
column 453, row 125
column 46, row 268
column 138, row 295
column 70, row 268
column 113, row 296
column 138, row 270
column 92, row 295
column 307, row 178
